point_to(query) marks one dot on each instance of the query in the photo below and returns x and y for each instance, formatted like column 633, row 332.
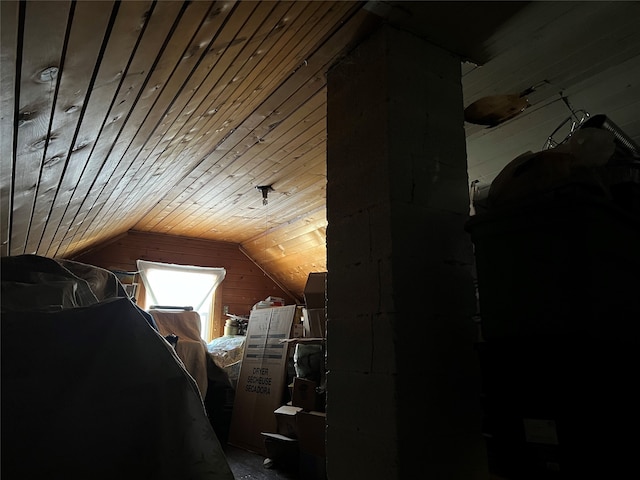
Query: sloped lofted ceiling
column 165, row 116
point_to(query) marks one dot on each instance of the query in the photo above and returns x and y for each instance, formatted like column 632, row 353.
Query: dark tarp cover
column 93, row 391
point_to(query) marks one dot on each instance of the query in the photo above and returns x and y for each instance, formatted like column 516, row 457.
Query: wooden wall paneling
column 42, row 46
column 9, row 16
column 228, row 107
column 244, row 285
column 86, row 162
column 130, row 108
column 75, row 81
column 130, row 203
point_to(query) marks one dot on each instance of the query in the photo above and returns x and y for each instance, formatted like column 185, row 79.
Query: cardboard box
column 315, row 291
column 311, row 428
column 312, row 467
column 286, row 420
column 282, row 450
column 314, row 322
column 304, row 394
column 297, row 331
column 262, row 381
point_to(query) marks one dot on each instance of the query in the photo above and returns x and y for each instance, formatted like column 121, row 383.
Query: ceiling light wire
column 265, row 189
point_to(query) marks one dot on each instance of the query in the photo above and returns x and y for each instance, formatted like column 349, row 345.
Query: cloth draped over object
column 90, row 389
column 191, row 348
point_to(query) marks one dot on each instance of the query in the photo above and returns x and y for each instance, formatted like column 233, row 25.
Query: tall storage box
column 261, row 385
column 567, row 265
column 558, row 288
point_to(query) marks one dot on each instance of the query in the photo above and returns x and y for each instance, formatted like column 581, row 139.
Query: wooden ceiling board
column 300, row 246
column 173, row 117
column 607, row 93
column 208, row 104
column 295, row 247
column 76, row 79
column 97, row 121
column 127, row 113
column 291, row 268
column 266, row 126
column 155, row 96
column 177, row 162
column 8, row 58
column 582, row 42
column 220, row 171
column 128, row 198
column 42, row 47
column 309, row 195
column 192, row 136
column 202, row 216
column 269, row 123
column 240, row 177
column 288, row 231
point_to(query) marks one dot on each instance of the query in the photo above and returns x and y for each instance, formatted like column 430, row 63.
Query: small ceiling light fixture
column 265, row 189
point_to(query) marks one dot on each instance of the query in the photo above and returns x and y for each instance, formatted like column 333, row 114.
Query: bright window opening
column 169, row 284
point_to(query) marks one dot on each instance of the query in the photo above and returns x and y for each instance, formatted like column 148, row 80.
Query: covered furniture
column 191, row 348
column 90, row 388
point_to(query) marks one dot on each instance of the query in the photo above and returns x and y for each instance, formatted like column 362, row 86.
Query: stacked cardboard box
column 299, row 438
column 315, row 305
column 299, row 441
column 262, row 381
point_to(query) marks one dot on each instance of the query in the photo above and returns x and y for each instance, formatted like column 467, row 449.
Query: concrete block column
column 403, row 379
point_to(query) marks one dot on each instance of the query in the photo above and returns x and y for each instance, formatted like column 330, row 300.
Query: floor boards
column 247, row 465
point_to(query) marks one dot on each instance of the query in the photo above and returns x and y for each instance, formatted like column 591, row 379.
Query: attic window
column 182, row 285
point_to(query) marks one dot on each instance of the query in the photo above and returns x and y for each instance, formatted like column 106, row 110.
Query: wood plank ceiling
column 165, row 116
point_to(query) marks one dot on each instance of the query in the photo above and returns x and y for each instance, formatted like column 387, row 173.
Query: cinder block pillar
column 403, row 378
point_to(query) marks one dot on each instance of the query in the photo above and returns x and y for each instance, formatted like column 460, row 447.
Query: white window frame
column 202, row 303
